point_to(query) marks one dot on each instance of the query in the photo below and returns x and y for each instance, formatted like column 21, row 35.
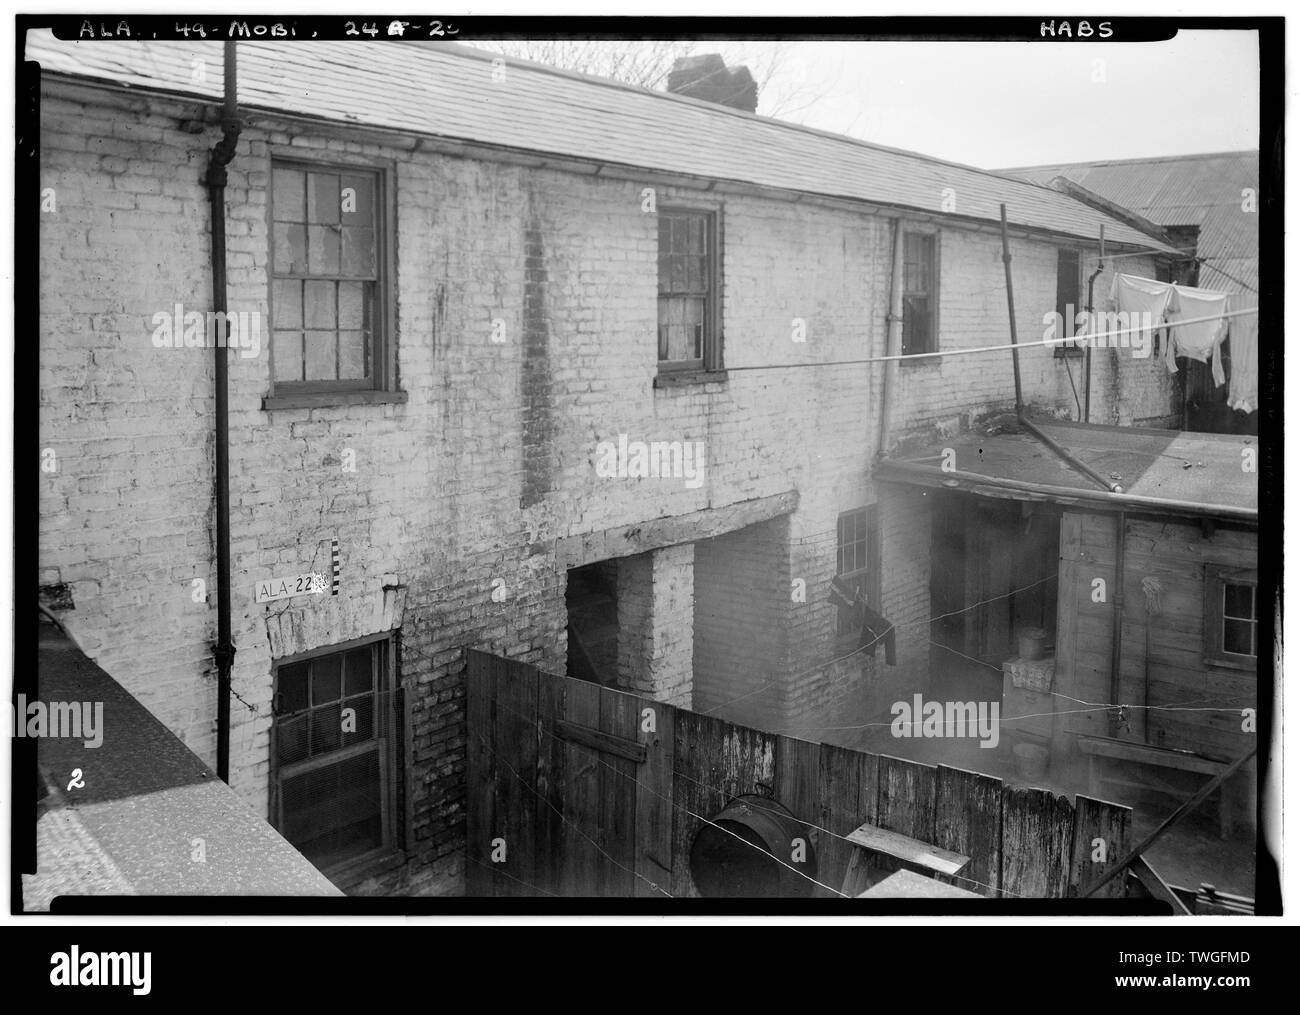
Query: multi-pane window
column 327, row 279
column 336, row 725
column 687, row 290
column 920, row 296
column 1232, row 618
column 853, row 544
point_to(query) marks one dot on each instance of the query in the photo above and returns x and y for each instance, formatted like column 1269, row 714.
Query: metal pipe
column 1117, row 623
column 1087, row 349
column 1011, row 309
column 1073, row 462
column 224, row 649
column 893, row 337
column 1069, row 459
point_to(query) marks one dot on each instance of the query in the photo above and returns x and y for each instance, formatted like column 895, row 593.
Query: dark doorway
column 993, row 575
column 591, row 599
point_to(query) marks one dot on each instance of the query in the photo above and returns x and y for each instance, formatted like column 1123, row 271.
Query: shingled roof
column 447, row 91
column 1183, row 190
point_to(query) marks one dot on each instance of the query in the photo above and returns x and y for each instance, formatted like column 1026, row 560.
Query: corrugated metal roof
column 1191, row 473
column 447, row 91
column 1201, row 190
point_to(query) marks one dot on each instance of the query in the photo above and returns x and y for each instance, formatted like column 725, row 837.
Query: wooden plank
column 907, row 849
column 1155, row 885
column 797, row 779
column 551, row 697
column 907, row 795
column 696, row 760
column 968, row 820
column 1147, row 755
column 1101, row 829
column 618, row 792
column 515, row 744
column 582, row 867
column 848, row 794
column 601, row 741
column 654, row 801
column 1037, row 836
column 480, row 775
column 906, row 884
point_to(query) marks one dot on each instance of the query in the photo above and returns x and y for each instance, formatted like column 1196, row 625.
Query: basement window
column 335, row 737
column 1231, row 618
column 330, row 301
column 689, row 319
column 920, row 293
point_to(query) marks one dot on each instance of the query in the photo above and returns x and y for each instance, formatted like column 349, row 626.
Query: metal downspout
column 224, row 649
column 893, row 338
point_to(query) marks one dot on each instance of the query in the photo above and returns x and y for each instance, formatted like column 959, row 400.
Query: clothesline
column 1047, row 343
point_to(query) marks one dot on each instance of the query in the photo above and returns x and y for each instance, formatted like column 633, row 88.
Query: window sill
column 689, row 378
column 318, row 399
column 916, row 363
column 351, row 873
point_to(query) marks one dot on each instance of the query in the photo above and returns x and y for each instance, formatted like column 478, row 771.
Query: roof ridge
column 1125, row 162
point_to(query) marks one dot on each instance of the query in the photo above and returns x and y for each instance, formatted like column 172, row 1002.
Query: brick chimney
column 707, row 77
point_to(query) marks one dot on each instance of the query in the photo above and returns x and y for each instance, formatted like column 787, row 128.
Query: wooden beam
column 606, row 743
column 1155, row 884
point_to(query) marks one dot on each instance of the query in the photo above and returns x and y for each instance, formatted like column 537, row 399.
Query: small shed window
column 1232, row 618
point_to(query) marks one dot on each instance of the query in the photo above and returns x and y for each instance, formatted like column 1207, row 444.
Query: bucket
column 1031, row 761
column 1033, row 642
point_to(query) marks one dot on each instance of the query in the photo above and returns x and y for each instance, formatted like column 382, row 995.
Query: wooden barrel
column 753, row 849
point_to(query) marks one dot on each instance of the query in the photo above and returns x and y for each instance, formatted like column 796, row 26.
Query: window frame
column 932, row 337
column 711, row 361
column 394, row 759
column 868, row 574
column 1215, row 586
column 382, row 385
column 1069, row 351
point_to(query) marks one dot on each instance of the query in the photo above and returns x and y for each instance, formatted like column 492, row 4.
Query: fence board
column 618, row 793
column 516, row 747
column 797, row 789
column 480, row 775
column 654, row 801
column 582, row 867
column 906, row 804
column 848, row 793
column 968, row 820
column 552, row 695
column 1037, row 834
column 1095, row 819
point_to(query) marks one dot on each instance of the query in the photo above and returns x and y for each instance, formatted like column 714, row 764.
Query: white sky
column 1010, row 104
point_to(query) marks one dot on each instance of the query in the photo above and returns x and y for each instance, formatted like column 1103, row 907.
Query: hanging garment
column 1243, row 386
column 876, row 628
column 1200, row 341
column 1135, row 295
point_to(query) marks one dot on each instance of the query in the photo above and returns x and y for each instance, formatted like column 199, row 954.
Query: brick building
column 570, row 371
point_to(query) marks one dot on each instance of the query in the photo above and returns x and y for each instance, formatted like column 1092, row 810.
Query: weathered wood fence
column 577, row 790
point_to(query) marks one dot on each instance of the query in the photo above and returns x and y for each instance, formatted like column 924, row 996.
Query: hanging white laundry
column 1243, row 386
column 1202, row 340
column 1135, row 295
